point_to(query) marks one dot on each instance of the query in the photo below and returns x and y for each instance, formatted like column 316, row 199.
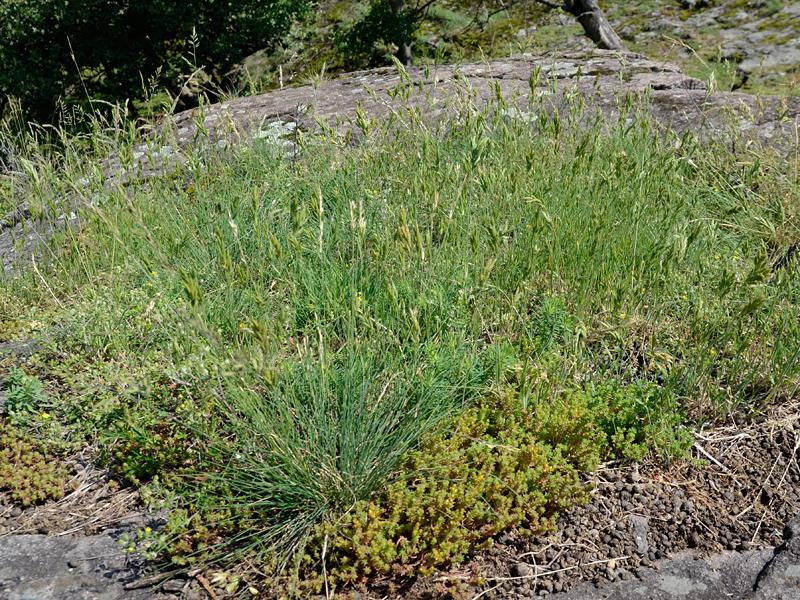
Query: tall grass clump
column 310, row 325
column 327, row 435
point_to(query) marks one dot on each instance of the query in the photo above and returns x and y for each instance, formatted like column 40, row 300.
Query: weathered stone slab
column 730, row 575
column 38, row 567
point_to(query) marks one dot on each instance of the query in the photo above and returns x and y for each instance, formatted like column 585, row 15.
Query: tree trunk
column 403, row 53
column 594, row 23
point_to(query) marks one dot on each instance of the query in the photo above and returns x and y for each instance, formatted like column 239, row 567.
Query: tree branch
column 501, row 9
column 421, row 9
column 594, row 23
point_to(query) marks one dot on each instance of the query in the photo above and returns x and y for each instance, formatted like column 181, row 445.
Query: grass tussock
column 359, row 347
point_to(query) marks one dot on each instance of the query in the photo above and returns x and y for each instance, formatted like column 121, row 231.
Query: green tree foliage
column 387, row 27
column 107, row 50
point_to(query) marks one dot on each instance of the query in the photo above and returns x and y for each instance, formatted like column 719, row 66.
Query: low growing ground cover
column 369, row 358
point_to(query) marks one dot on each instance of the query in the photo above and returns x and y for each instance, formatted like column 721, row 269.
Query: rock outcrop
column 602, row 79
column 38, row 567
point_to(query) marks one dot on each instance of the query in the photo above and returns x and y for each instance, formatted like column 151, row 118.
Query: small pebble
column 521, row 569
